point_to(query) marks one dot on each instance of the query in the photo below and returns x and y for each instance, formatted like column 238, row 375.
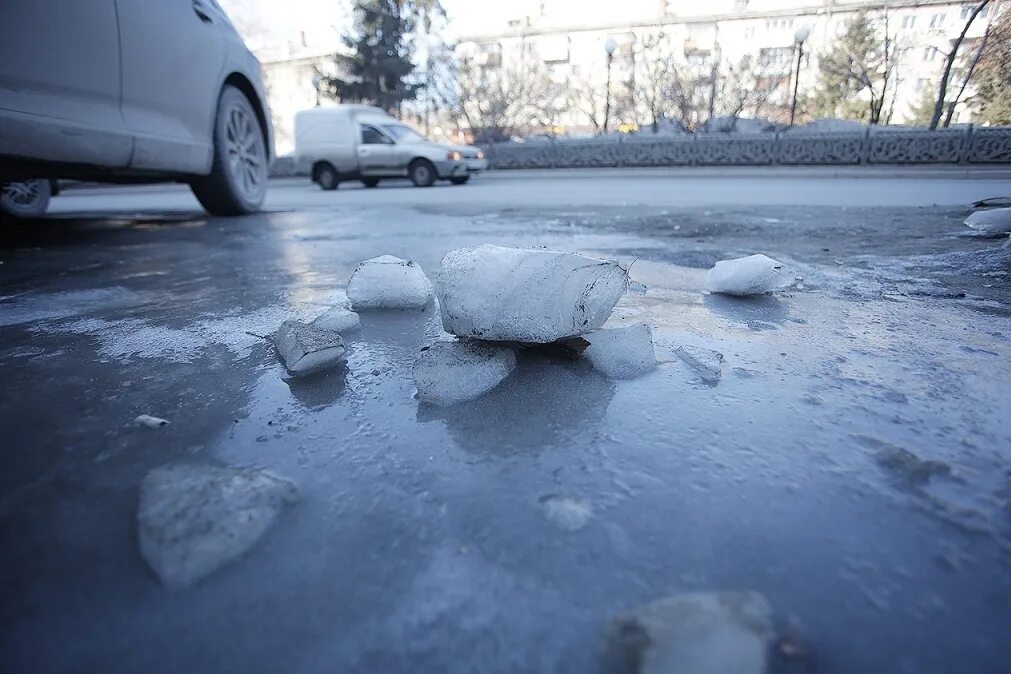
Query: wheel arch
column 242, row 83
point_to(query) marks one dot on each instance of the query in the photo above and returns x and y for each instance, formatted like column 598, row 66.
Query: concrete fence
column 973, row 145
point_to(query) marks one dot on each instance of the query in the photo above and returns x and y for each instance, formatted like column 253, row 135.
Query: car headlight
column 454, row 156
column 480, row 155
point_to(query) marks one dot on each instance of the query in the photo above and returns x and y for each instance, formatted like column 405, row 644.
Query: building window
column 908, row 21
column 749, row 32
column 937, row 21
column 775, row 57
column 929, row 54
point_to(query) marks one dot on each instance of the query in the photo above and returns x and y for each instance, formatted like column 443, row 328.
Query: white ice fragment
column 566, row 513
column 338, row 319
column 992, row 222
column 387, row 282
column 526, row 295
column 696, row 633
column 447, row 373
column 194, row 519
column 149, row 421
column 622, row 353
column 706, row 362
column 305, row 348
column 752, row 275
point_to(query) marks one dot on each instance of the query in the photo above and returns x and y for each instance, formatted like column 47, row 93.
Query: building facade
column 570, row 42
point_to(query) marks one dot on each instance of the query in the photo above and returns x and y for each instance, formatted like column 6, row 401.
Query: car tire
column 459, row 180
column 370, row 182
column 26, row 199
column 237, row 183
column 326, row 177
column 422, row 173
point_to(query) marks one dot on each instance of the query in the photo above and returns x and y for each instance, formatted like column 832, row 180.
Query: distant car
column 360, row 142
column 133, row 91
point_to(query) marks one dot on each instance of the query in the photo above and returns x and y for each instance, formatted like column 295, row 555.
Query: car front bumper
column 458, row 169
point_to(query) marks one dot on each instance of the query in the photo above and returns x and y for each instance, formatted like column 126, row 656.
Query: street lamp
column 799, row 38
column 610, row 46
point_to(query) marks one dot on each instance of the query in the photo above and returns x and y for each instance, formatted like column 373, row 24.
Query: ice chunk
column 194, row 519
column 387, row 282
column 526, row 295
column 307, row 348
column 566, row 513
column 993, row 222
column 696, row 633
column 622, row 353
column 752, row 275
column 706, row 362
column 149, row 421
column 447, row 373
column 338, row 319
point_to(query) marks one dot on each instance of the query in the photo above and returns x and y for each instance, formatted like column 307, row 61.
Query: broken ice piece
column 526, row 294
column 696, row 633
column 706, row 362
column 387, row 282
column 194, row 519
column 993, row 222
column 151, row 422
column 447, row 373
column 622, row 353
column 338, row 319
column 752, row 275
column 307, row 348
column 566, row 513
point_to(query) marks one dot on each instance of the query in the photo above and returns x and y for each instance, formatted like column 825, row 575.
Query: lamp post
column 799, row 38
column 609, row 46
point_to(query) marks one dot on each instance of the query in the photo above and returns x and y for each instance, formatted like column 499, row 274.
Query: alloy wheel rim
column 22, row 194
column 245, row 153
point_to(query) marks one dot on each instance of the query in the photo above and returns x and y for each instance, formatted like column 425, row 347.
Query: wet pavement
column 853, row 463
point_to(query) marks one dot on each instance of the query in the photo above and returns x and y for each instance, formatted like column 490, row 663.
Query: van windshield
column 404, row 134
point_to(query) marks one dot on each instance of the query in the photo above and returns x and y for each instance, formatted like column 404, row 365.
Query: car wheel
column 27, row 199
column 370, row 182
column 422, row 173
column 326, row 177
column 237, row 183
column 459, row 180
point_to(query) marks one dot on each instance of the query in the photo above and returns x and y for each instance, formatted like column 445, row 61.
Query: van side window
column 373, row 136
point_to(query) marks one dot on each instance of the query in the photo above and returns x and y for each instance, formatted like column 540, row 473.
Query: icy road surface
column 853, row 463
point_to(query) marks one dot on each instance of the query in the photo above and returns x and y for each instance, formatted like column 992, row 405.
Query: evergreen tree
column 855, row 74
column 992, row 76
column 922, row 111
column 378, row 70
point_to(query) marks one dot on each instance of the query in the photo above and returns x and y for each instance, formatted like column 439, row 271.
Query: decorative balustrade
column 977, row 145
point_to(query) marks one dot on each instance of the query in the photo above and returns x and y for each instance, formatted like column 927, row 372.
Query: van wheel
column 370, row 182
column 326, row 177
column 237, row 183
column 459, row 180
column 422, row 173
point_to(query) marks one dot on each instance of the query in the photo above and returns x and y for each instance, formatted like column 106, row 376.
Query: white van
column 360, row 142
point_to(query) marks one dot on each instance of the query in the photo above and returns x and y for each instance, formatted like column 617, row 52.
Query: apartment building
column 570, row 38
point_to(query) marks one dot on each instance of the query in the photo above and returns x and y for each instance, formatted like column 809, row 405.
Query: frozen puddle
column 34, row 307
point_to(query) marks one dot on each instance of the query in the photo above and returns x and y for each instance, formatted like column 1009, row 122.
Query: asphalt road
column 683, row 187
column 853, row 463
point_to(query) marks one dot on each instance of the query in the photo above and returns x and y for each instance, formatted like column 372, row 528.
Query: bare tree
column 970, row 70
column 743, row 87
column 949, row 61
column 499, row 101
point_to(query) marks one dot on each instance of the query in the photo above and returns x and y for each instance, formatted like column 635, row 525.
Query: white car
column 133, row 91
column 360, row 142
